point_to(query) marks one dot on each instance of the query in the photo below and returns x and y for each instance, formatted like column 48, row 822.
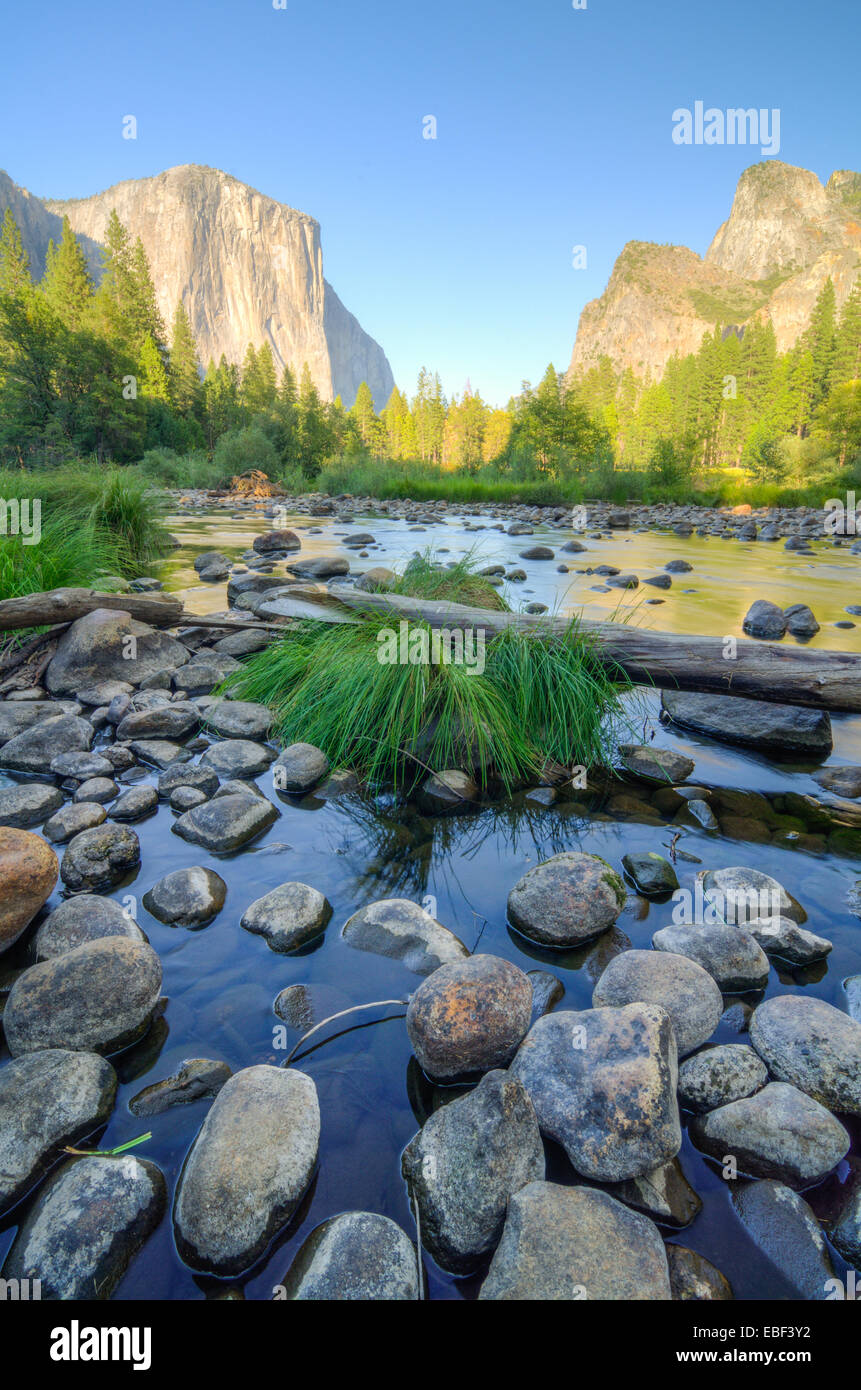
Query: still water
column 220, row 982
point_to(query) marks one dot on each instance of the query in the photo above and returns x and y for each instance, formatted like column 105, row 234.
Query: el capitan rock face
column 785, row 235
column 248, row 269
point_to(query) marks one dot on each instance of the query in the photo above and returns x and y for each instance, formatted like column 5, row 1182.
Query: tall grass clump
column 394, row 723
column 97, row 524
column 540, row 696
column 425, row 578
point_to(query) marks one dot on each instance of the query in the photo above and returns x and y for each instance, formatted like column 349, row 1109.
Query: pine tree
column 186, row 391
column 364, row 416
column 115, row 299
column 15, row 277
column 819, row 339
column 846, row 363
column 154, row 379
column 67, row 284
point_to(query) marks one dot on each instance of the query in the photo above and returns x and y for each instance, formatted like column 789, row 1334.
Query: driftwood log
column 65, row 605
column 788, row 675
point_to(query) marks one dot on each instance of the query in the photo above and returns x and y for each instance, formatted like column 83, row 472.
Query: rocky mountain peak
column 786, row 233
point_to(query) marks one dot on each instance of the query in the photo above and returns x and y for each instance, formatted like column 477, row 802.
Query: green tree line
column 93, row 370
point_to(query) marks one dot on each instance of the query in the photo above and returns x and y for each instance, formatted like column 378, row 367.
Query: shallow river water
column 220, row 982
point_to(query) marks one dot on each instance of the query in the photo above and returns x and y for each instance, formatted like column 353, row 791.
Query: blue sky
column 554, row 129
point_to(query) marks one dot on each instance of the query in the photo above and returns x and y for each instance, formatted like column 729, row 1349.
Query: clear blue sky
column 554, row 129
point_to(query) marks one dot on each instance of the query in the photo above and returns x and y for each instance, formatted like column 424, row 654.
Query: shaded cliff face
column 785, row 235
column 39, row 226
column 247, row 268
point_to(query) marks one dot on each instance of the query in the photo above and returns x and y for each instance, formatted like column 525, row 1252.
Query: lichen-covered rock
column 603, row 1085
column 248, row 1168
column 566, row 900
column 564, row 1243
column 469, row 1017
column 96, row 998
column 718, row 1075
column 48, row 1099
column 87, row 1224
column 99, row 858
column 465, row 1164
column 355, row 1256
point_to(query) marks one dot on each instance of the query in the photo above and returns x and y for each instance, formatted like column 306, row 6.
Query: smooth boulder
column 226, row 822
column 757, row 724
column 28, row 873
column 566, row 900
column 469, row 1017
column 813, row 1046
column 248, row 1168
column 81, row 920
column 777, row 1133
column 96, row 998
column 674, row 983
column 401, row 930
column 187, row 897
column 110, row 645
column 289, row 916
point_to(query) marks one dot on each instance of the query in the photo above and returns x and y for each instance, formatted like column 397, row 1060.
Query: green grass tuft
column 426, row 578
column 394, row 723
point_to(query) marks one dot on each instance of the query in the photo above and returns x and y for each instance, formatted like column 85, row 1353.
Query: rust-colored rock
column 469, row 1017
column 28, row 873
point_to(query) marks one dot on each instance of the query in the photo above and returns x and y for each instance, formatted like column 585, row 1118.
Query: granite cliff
column 785, row 235
column 247, row 268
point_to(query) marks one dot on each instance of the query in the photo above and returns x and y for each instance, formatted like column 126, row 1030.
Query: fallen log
column 674, row 661
column 65, row 605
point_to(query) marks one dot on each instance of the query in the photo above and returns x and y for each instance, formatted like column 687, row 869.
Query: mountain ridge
column 785, row 234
